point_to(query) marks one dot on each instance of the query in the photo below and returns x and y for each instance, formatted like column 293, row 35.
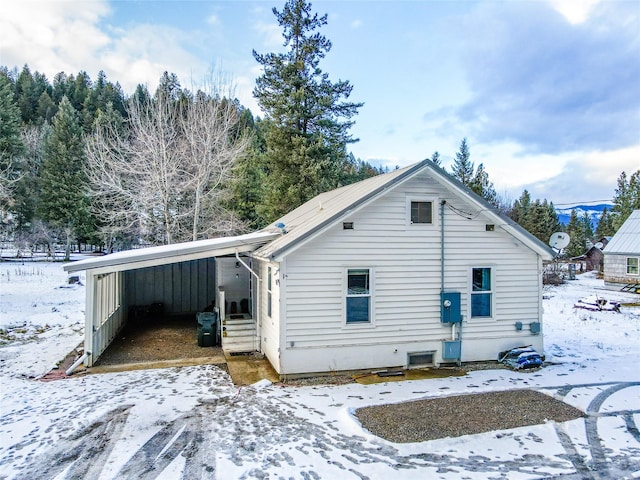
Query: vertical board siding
column 185, row 287
column 406, row 263
column 107, row 315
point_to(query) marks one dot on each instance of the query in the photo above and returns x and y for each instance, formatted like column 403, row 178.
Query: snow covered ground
column 191, row 422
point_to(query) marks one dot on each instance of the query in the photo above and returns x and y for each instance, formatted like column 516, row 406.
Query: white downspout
column 258, row 319
column 77, row 363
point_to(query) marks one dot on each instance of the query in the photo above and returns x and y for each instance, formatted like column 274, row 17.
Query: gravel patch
column 455, row 416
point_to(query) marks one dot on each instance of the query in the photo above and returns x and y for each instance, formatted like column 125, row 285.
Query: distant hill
column 594, row 212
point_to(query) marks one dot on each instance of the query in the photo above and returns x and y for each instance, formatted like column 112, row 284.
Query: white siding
column 405, row 260
column 269, row 325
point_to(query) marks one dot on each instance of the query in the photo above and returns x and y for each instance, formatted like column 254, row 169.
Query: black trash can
column 207, row 329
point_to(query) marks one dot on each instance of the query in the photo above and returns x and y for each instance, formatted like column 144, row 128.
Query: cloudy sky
column 547, row 92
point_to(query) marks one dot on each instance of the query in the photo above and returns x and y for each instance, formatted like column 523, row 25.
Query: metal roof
column 327, row 208
column 626, row 241
column 166, row 254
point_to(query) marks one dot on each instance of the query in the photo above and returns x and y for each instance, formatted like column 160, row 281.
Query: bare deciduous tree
column 212, row 144
column 166, row 175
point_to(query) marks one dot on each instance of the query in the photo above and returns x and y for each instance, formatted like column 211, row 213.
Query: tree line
column 83, row 163
column 539, row 217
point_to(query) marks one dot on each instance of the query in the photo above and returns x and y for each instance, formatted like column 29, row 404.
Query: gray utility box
column 208, row 329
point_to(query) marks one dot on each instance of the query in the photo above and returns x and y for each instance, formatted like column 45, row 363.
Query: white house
column 622, row 256
column 404, row 269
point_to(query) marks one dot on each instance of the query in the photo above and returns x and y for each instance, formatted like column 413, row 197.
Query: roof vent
column 347, row 225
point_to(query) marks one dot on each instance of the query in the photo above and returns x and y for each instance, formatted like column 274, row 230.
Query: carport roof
column 166, row 254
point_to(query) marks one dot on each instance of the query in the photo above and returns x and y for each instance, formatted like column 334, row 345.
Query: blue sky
column 547, row 92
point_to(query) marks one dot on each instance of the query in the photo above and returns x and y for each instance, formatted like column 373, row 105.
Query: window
column 632, row 266
column 358, row 295
column 421, row 212
column 481, row 292
column 269, row 291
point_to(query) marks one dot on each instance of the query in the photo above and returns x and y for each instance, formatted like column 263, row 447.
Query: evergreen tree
column 11, row 145
column 435, row 158
column 309, row 115
column 481, row 185
column 539, row 217
column 63, row 201
column 463, row 167
column 587, row 227
column 605, row 225
column 576, row 231
column 26, row 193
column 626, row 199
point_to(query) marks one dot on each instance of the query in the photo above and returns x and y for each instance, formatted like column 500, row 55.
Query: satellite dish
column 599, row 245
column 559, row 240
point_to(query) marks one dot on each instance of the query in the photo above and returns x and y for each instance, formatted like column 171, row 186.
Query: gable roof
column 328, row 208
column 174, row 253
column 626, row 241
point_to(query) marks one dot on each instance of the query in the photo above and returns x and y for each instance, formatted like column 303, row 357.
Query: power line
column 608, row 200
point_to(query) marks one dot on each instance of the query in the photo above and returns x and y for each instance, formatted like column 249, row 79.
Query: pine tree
column 463, row 167
column 605, row 225
column 481, row 185
column 587, row 227
column 626, row 199
column 576, row 231
column 309, row 115
column 435, row 158
column 11, row 145
column 63, row 202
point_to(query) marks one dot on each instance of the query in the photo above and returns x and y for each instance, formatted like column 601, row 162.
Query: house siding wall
column 405, row 260
column 615, row 270
column 269, row 325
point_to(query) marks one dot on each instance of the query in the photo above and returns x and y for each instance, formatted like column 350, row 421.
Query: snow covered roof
column 329, row 207
column 179, row 252
column 626, row 241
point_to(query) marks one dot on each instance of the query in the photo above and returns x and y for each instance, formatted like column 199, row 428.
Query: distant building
column 622, row 256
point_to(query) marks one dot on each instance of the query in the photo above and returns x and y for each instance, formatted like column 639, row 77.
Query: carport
column 180, row 279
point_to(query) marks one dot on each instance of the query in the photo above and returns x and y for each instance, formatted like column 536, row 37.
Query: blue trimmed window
column 481, row 292
column 358, row 295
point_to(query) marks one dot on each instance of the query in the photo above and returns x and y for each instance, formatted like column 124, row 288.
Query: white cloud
column 142, row 53
column 356, row 24
column 72, row 36
column 51, row 36
column 575, row 11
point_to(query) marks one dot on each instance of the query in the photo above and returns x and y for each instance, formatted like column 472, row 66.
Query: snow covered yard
column 192, row 422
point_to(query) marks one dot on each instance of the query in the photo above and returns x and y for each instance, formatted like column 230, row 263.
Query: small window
column 419, row 359
column 347, row 225
column 481, row 292
column 632, row 266
column 421, row 212
column 358, row 296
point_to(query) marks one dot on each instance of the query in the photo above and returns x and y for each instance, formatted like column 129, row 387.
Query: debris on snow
column 597, row 304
